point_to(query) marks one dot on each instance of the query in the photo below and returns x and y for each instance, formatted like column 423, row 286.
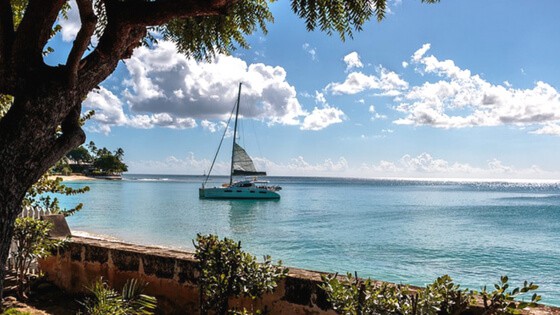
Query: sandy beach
column 70, row 178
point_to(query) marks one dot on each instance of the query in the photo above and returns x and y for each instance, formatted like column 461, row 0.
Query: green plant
column 131, row 300
column 353, row 296
column 226, row 271
column 31, row 239
column 501, row 301
column 443, row 297
column 13, row 311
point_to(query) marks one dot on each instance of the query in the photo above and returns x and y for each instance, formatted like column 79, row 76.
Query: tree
column 80, row 155
column 109, row 164
column 43, row 122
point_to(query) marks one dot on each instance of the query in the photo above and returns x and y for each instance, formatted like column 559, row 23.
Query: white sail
column 242, row 163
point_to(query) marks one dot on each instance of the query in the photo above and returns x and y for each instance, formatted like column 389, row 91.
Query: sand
column 70, row 178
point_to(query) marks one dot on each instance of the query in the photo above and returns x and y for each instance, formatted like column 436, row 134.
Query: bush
column 31, row 238
column 351, row 295
column 226, row 271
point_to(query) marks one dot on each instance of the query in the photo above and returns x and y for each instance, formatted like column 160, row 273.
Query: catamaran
column 241, row 165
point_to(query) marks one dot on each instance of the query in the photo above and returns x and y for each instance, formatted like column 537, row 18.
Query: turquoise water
column 399, row 231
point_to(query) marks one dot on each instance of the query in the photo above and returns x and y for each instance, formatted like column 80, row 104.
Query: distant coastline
column 445, row 180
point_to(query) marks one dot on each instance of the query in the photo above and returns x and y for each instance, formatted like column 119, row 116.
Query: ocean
column 403, row 231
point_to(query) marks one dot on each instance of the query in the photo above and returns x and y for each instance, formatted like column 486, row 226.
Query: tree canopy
column 42, row 103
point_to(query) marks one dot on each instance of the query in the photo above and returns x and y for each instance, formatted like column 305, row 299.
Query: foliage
column 131, row 300
column 80, row 155
column 106, row 162
column 226, row 271
column 110, row 164
column 40, row 195
column 205, row 36
column 354, row 296
column 5, row 104
column 501, row 301
column 443, row 297
column 31, row 238
column 62, row 167
column 340, row 16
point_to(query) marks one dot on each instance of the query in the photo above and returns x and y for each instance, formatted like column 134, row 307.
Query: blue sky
column 461, row 89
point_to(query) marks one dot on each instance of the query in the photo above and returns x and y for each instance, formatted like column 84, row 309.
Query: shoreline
column 71, row 178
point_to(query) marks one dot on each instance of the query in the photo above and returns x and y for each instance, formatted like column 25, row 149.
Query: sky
column 460, row 89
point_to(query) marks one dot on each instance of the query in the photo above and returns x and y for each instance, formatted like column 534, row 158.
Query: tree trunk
column 29, row 145
column 6, row 231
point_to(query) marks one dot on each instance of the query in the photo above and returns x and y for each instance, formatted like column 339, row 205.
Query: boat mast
column 234, row 135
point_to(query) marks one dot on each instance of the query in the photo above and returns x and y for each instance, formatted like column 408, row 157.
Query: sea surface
column 403, row 231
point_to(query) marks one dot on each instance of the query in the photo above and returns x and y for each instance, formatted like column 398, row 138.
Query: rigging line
column 219, row 146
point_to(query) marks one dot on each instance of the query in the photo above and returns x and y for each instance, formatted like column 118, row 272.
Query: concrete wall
column 172, row 276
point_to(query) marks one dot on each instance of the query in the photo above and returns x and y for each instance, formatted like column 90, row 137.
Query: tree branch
column 117, row 43
column 34, row 31
column 149, row 13
column 6, row 27
column 89, row 20
column 72, row 136
column 126, row 27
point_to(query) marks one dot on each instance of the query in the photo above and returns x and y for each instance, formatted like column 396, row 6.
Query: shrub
column 501, row 301
column 31, row 239
column 354, row 296
column 226, row 271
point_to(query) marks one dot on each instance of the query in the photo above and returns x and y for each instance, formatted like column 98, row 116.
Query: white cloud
column 404, row 64
column 548, row 129
column 352, row 60
column 173, row 165
column 426, row 166
column 420, row 52
column 298, row 166
column 423, row 165
column 109, row 112
column 311, row 51
column 321, row 118
column 190, row 164
column 320, row 98
column 375, row 114
column 72, row 24
column 166, row 89
column 165, row 81
column 212, row 126
column 385, row 82
column 462, row 99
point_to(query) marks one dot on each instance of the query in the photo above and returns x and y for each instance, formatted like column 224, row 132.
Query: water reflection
column 243, row 214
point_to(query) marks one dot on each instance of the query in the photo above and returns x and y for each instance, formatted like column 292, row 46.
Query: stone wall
column 171, row 275
column 172, row 278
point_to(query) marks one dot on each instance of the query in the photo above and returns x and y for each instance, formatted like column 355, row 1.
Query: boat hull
column 237, row 193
